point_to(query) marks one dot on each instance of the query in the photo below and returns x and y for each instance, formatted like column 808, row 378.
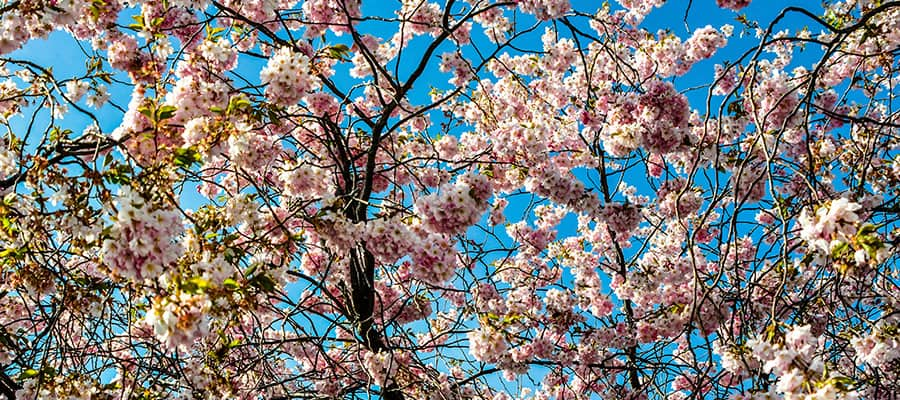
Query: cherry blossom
column 533, row 199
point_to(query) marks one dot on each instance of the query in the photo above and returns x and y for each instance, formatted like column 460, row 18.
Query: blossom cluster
column 487, row 344
column 62, row 387
column 304, row 180
column 561, row 186
column 462, row 71
column 835, row 229
column 434, row 258
column 381, row 367
column 219, row 53
column 8, row 164
column 879, row 348
column 288, row 77
column 12, row 101
column 457, row 206
column 829, row 225
column 22, row 22
column 733, row 4
column 801, row 370
column 419, row 17
column 676, row 200
column 544, row 9
column 389, row 239
column 664, row 115
column 125, row 55
column 180, row 319
column 333, row 15
column 142, row 241
column 622, row 218
column 705, row 41
column 193, row 96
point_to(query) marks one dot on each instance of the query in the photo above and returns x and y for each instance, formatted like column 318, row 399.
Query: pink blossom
column 733, row 4
column 456, row 206
column 287, row 76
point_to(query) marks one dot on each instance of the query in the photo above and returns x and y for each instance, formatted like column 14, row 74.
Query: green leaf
column 57, row 134
column 12, row 252
column 866, row 229
column 165, row 112
column 146, row 111
column 231, row 284
column 263, row 282
column 238, row 103
column 29, row 373
column 185, row 158
column 339, row 52
column 118, row 175
column 138, row 23
column 839, row 250
column 195, row 285
column 212, row 33
column 772, row 332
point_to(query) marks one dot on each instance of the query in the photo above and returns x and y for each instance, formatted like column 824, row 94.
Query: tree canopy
column 459, row 199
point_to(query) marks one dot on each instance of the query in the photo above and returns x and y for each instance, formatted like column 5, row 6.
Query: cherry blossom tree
column 472, row 199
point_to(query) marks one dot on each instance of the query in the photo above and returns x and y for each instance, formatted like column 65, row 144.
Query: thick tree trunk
column 362, row 305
